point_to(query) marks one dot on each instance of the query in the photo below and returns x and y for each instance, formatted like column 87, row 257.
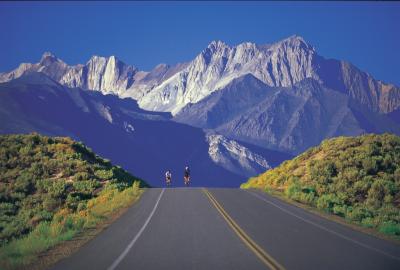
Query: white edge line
column 323, row 227
column 133, row 241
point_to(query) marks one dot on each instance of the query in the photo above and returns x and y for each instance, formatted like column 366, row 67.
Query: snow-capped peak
column 217, row 44
column 161, row 66
column 170, row 88
column 282, row 64
column 48, row 58
column 97, row 58
column 48, row 54
column 246, row 45
column 296, row 41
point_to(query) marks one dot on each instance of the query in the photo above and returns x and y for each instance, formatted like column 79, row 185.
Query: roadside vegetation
column 51, row 189
column 357, row 178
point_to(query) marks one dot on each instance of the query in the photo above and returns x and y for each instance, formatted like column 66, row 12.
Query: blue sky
column 148, row 33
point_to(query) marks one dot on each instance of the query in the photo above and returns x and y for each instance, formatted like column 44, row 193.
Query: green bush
column 368, row 222
column 357, row 214
column 86, row 187
column 104, row 174
column 340, row 210
column 327, row 202
column 357, row 178
column 293, row 190
column 390, row 228
column 40, row 175
column 307, row 198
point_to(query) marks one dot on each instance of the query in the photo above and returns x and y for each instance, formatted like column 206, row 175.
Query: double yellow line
column 261, row 254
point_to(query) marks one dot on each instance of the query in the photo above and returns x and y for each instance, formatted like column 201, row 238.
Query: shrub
column 104, row 174
column 368, row 222
column 390, row 228
column 357, row 214
column 327, row 201
column 307, row 198
column 41, row 175
column 340, row 210
column 86, row 187
column 293, row 189
column 65, row 224
column 357, row 178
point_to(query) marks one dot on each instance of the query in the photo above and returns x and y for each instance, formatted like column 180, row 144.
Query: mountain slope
column 221, row 106
column 241, row 158
column 297, row 118
column 289, row 119
column 143, row 142
column 357, row 178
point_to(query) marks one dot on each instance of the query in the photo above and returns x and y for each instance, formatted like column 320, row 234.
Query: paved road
column 185, row 228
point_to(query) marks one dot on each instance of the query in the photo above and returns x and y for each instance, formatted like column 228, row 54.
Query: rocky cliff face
column 100, row 73
column 289, row 119
column 171, row 88
column 234, row 157
column 360, row 86
column 293, row 119
column 221, row 106
column 49, row 65
column 282, row 64
column 108, row 75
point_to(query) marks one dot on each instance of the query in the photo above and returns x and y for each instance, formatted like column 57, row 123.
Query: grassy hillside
column 51, row 189
column 357, row 178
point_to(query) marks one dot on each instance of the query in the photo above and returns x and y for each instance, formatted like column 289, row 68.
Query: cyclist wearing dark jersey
column 168, row 177
column 187, row 176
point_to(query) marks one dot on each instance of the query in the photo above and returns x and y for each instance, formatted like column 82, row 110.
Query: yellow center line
column 253, row 246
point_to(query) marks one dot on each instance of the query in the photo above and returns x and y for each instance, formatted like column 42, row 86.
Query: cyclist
column 168, row 177
column 187, row 176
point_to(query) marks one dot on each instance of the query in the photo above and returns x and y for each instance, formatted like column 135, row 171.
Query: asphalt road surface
column 194, row 228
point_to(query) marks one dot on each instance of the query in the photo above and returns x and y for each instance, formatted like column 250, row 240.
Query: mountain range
column 245, row 108
column 137, row 140
column 170, row 88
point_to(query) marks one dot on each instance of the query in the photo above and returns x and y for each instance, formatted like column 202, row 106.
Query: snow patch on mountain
column 235, row 157
column 128, row 127
column 104, row 111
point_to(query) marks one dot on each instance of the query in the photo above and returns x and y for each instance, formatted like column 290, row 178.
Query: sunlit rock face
column 170, row 88
column 281, row 64
column 108, row 75
column 235, row 157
